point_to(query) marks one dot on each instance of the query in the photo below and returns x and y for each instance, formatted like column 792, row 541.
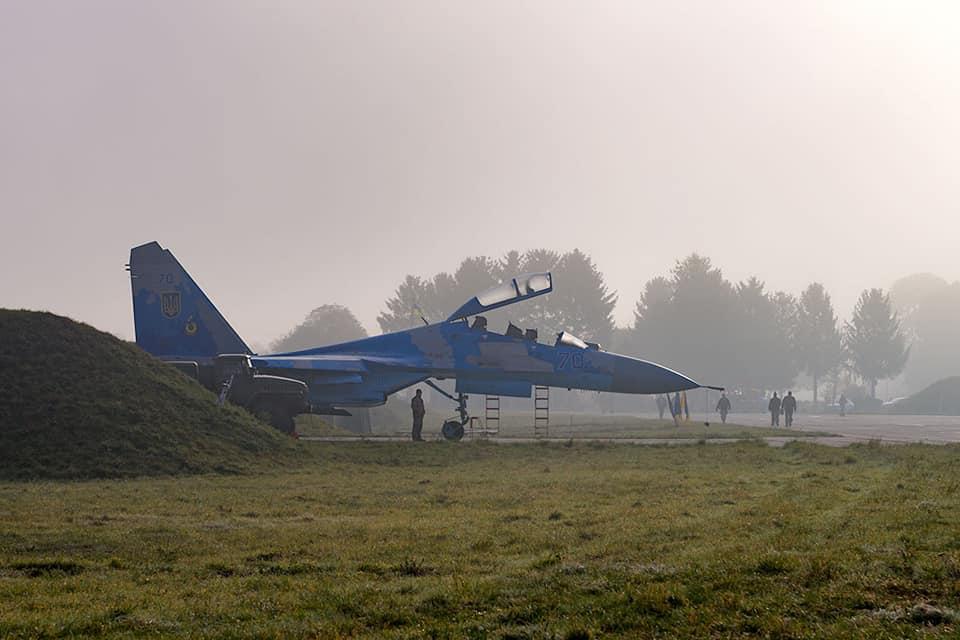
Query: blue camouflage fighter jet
column 177, row 323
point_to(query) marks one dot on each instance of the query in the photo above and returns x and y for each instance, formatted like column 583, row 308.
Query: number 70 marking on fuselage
column 570, row 360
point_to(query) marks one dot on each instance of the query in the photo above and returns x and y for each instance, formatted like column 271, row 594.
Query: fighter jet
column 177, row 323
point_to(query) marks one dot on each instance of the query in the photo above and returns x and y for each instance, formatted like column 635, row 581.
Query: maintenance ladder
column 541, row 412
column 490, row 425
column 491, row 417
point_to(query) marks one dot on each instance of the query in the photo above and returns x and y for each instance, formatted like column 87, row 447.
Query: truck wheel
column 283, row 421
column 277, row 416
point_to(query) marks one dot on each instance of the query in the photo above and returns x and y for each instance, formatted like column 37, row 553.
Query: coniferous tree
column 873, row 340
column 787, row 312
column 413, row 298
column 652, row 331
column 581, row 302
column 763, row 337
column 704, row 319
column 581, row 298
column 818, row 346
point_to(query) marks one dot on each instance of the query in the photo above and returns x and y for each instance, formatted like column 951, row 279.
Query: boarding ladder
column 491, row 415
column 541, row 412
column 478, row 429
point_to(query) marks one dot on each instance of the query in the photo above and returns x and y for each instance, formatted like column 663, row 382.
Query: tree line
column 693, row 319
column 745, row 337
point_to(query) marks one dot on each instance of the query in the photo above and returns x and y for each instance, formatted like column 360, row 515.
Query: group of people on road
column 785, row 406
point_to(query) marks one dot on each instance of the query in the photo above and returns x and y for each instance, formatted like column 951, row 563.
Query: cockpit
column 513, row 331
column 513, row 290
column 564, row 338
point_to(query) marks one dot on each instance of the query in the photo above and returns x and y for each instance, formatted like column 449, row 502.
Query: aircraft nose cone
column 639, row 376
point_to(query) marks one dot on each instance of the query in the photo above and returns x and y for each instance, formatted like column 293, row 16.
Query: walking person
column 843, row 404
column 723, row 406
column 661, row 405
column 675, row 409
column 416, row 405
column 774, row 407
column 789, row 407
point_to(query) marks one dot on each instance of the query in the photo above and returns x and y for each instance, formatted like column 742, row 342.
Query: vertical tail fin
column 172, row 316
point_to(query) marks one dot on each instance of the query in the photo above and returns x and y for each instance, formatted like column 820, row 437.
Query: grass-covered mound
column 940, row 398
column 79, row 403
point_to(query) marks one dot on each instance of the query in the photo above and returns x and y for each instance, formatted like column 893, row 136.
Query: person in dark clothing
column 774, row 407
column 723, row 406
column 675, row 409
column 789, row 406
column 416, row 405
column 661, row 405
column 842, row 402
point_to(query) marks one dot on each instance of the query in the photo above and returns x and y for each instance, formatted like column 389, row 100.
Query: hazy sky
column 296, row 154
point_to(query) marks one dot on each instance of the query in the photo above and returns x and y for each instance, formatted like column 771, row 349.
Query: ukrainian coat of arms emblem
column 170, row 304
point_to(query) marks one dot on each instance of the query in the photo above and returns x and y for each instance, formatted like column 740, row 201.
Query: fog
column 298, row 154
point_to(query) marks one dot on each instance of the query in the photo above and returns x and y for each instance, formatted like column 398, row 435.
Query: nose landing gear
column 453, row 428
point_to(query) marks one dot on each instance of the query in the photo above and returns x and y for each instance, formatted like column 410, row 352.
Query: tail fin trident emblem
column 170, row 304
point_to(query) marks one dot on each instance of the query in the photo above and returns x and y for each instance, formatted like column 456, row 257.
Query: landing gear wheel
column 452, row 430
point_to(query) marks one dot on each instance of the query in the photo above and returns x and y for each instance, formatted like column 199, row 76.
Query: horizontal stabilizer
column 329, row 411
column 336, row 362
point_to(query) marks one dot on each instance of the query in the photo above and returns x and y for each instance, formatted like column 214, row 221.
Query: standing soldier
column 789, row 406
column 416, row 405
column 723, row 406
column 774, row 407
column 661, row 405
column 675, row 409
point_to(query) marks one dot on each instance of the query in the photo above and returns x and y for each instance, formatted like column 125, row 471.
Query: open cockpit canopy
column 516, row 289
column 567, row 339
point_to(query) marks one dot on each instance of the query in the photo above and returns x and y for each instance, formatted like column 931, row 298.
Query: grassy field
column 508, row 541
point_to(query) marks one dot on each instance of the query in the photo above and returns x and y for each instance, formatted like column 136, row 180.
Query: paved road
column 848, row 429
column 931, row 429
column 774, row 441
